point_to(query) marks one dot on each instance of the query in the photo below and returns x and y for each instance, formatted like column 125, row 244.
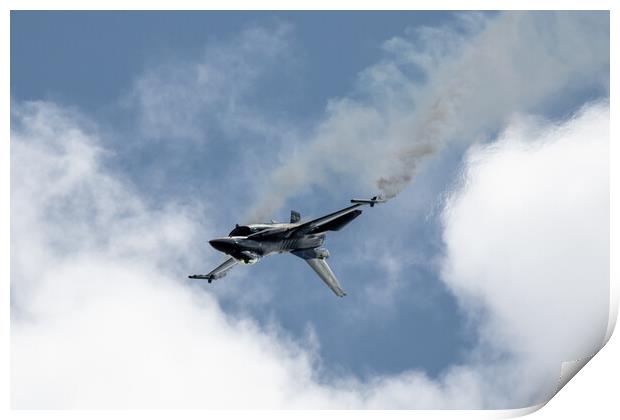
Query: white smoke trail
column 475, row 78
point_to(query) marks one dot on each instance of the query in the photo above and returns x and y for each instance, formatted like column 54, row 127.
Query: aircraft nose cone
column 222, row 245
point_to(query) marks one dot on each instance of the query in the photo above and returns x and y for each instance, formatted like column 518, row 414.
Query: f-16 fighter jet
column 249, row 243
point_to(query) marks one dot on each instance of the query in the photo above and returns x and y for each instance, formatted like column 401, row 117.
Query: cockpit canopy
column 241, row 231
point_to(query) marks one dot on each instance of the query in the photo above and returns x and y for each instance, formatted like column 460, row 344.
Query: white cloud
column 99, row 316
column 528, row 238
column 100, row 319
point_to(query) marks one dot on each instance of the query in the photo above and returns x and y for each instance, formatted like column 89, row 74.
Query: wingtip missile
column 372, row 201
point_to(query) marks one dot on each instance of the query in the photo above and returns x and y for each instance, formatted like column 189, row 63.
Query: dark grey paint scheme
column 247, row 244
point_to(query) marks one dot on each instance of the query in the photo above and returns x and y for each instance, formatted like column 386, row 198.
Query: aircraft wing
column 326, row 274
column 333, row 221
column 219, row 271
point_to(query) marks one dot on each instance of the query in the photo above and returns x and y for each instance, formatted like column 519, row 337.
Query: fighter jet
column 247, row 244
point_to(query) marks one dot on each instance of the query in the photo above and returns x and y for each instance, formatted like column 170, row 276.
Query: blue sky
column 114, row 48
column 216, row 111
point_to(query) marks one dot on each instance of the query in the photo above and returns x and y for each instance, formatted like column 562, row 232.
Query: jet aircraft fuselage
column 249, row 243
column 249, row 251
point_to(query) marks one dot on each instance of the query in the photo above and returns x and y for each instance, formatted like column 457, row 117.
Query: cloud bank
column 528, row 235
column 100, row 318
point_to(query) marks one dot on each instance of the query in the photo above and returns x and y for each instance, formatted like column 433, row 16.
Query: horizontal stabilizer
column 320, row 266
